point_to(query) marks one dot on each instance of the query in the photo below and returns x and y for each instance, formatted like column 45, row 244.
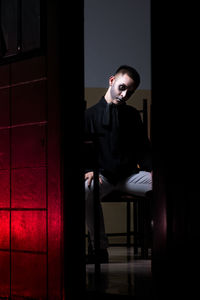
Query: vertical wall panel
column 31, row 265
column 34, row 198
column 4, row 188
column 28, row 230
column 55, row 230
column 29, row 102
column 4, row 184
column 4, row 230
column 28, row 179
column 28, row 146
column 55, row 261
column 29, row 69
column 4, row 275
column 29, row 236
column 4, row 75
column 4, row 149
column 28, row 275
column 4, row 107
column 29, row 188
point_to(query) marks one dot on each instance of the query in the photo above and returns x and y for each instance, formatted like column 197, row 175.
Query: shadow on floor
column 124, row 276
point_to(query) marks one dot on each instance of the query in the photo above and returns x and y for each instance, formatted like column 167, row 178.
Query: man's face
column 121, row 88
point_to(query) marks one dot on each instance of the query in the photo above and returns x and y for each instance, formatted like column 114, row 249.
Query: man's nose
column 123, row 93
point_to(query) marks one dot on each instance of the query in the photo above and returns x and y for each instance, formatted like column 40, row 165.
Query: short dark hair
column 131, row 72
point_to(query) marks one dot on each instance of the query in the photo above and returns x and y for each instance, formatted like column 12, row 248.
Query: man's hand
column 89, row 176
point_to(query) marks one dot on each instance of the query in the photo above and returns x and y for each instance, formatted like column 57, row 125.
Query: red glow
column 28, row 230
column 4, row 188
column 4, row 149
column 30, row 200
column 4, row 274
column 28, row 275
column 28, row 146
column 29, row 188
column 4, row 230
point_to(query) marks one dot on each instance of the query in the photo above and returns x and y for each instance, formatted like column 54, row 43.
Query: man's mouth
column 119, row 99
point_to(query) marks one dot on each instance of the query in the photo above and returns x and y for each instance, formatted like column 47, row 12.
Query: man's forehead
column 125, row 79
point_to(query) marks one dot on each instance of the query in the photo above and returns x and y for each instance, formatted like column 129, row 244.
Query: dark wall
column 176, row 154
column 41, row 198
column 116, row 33
column 30, row 206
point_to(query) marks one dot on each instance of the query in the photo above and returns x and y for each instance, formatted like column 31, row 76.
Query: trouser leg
column 140, row 184
column 104, row 188
column 137, row 184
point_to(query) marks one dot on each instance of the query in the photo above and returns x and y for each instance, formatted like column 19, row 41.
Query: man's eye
column 122, row 87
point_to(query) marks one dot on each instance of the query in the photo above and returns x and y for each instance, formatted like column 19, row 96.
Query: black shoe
column 101, row 257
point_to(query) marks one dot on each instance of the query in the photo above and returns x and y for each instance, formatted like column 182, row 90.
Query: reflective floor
column 124, row 275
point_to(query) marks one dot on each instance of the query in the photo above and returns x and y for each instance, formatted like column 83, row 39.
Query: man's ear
column 111, row 80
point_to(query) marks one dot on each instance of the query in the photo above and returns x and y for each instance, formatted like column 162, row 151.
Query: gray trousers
column 137, row 184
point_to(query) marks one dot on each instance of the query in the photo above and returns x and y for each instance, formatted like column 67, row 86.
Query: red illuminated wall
column 30, row 201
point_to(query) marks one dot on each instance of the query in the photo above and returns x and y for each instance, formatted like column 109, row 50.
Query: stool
column 141, row 219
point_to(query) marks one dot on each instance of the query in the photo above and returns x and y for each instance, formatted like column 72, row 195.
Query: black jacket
column 120, row 140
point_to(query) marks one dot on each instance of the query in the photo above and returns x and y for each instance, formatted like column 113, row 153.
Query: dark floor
column 124, row 275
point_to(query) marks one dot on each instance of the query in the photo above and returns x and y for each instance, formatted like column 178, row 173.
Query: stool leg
column 90, row 248
column 146, row 228
column 135, row 229
column 142, row 227
column 128, row 224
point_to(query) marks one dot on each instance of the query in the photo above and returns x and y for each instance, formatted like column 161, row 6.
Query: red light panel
column 29, row 188
column 4, row 188
column 28, row 275
column 28, row 230
column 4, row 230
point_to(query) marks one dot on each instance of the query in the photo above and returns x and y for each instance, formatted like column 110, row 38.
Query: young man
column 124, row 150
